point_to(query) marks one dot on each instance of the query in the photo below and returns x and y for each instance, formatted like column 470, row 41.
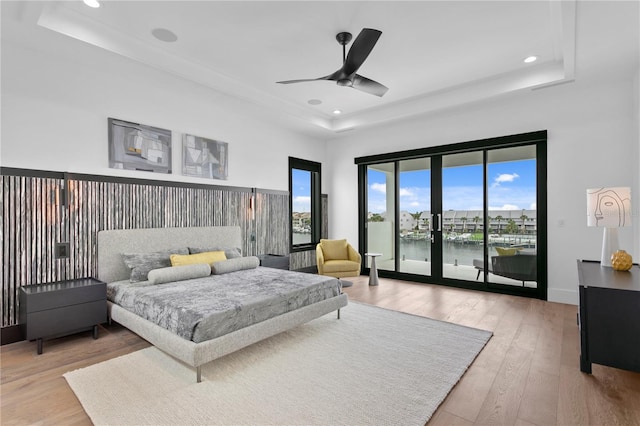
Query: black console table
column 61, row 308
column 609, row 316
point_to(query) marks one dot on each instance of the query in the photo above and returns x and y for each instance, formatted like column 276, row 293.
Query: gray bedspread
column 205, row 308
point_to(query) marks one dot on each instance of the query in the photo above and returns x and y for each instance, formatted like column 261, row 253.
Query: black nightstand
column 61, row 308
column 274, row 261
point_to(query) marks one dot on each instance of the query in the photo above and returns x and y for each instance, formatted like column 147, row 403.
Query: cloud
column 379, row 187
column 533, row 206
column 506, row 207
column 302, row 204
column 405, row 192
column 505, row 177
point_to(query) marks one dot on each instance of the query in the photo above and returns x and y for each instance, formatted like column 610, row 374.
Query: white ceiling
column 432, row 54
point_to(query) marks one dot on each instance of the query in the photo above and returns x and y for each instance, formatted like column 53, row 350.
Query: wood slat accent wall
column 32, row 223
column 47, row 208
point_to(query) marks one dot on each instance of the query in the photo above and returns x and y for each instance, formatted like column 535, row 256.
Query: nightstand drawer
column 50, row 296
column 65, row 320
column 274, row 261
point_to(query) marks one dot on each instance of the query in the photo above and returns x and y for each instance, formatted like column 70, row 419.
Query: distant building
column 461, row 221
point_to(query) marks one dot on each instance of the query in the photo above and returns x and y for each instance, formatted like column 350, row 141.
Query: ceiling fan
column 347, row 76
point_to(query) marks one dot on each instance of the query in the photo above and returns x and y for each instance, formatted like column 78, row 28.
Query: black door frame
column 537, row 138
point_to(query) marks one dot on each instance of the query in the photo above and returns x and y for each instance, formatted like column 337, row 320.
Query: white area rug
column 373, row 366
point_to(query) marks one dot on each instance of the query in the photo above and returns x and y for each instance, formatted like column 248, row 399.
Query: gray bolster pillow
column 179, row 273
column 233, row 265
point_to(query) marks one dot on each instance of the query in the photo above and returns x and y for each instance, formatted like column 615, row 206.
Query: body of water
column 301, row 238
column 421, row 250
column 464, row 253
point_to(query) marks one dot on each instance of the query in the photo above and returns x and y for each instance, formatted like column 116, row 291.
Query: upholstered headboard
column 112, row 243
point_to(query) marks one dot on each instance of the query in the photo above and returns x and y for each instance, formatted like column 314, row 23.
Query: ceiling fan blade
column 369, row 86
column 360, row 49
column 327, row 77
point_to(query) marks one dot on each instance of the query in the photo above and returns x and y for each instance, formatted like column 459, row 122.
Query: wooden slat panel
column 34, row 221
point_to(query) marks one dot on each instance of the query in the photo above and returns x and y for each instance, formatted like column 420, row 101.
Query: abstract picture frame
column 135, row 146
column 205, row 158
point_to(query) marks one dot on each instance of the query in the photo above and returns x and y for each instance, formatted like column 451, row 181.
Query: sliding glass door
column 381, row 216
column 414, row 232
column 466, row 215
column 513, row 241
column 462, row 214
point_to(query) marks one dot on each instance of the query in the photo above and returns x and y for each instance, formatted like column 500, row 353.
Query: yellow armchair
column 337, row 258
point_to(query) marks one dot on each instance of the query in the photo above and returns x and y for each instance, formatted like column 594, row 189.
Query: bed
column 233, row 322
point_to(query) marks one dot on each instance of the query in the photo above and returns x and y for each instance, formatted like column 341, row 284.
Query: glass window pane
column 381, row 214
column 512, row 245
column 301, row 206
column 415, row 216
column 462, row 215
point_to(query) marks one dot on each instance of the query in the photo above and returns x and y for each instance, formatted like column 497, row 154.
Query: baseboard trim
column 10, row 334
column 570, row 297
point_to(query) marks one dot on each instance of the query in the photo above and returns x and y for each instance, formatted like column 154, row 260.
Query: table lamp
column 609, row 208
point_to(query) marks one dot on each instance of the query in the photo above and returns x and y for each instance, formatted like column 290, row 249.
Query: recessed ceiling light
column 337, row 112
column 314, row 101
column 92, row 3
column 164, row 34
column 530, row 59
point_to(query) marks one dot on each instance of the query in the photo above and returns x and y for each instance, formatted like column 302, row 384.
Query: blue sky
column 301, row 190
column 512, row 186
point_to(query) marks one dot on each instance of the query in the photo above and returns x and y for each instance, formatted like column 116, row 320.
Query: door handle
column 439, row 222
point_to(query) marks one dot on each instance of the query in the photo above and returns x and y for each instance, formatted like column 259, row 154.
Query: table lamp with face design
column 609, row 208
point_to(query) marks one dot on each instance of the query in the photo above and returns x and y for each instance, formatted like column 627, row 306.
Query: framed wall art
column 134, row 146
column 204, row 158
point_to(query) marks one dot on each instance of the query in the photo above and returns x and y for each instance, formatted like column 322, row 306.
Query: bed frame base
column 198, row 354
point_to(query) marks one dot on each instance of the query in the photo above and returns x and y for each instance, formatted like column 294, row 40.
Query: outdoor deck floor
column 461, row 272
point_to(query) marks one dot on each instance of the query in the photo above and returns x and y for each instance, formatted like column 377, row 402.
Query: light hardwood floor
column 528, row 374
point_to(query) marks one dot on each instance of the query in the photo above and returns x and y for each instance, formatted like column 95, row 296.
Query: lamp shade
column 609, row 207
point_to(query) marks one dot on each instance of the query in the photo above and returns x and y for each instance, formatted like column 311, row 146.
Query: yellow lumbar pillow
column 189, row 259
column 505, row 251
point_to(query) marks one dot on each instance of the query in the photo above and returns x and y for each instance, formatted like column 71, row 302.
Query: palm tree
column 416, row 216
column 512, row 228
column 489, row 218
column 464, row 223
column 523, row 218
column 499, row 219
column 476, row 219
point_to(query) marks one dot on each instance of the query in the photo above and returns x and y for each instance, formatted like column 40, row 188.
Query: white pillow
column 179, row 273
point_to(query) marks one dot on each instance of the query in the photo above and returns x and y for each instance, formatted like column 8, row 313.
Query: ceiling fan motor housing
column 343, row 38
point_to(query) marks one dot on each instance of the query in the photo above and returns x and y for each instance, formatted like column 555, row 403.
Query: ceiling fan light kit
column 347, row 75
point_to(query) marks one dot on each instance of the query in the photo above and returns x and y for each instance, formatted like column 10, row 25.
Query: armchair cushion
column 336, row 266
column 334, row 249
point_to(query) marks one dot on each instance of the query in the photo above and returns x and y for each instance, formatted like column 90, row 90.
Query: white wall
column 635, row 193
column 592, row 133
column 57, row 94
